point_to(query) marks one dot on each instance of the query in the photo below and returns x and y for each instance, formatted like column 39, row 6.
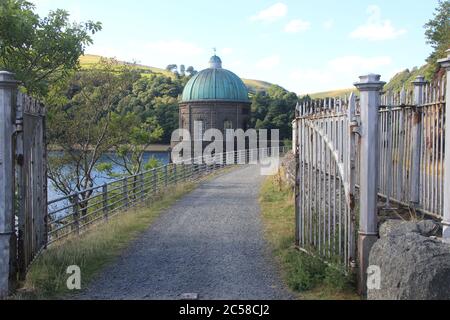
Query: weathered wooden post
column 445, row 63
column 369, row 88
column 8, row 92
column 416, row 140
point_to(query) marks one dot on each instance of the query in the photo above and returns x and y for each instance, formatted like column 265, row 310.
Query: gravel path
column 209, row 243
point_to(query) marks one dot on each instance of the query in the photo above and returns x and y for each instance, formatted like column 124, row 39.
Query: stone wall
column 288, row 168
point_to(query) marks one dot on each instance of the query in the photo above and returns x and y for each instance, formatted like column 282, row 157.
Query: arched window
column 227, row 124
column 199, row 129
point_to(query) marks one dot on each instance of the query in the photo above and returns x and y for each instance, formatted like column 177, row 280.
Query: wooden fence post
column 369, row 88
column 8, row 91
column 416, row 140
column 445, row 63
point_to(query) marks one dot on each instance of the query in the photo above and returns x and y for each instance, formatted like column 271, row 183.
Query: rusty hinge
column 355, row 127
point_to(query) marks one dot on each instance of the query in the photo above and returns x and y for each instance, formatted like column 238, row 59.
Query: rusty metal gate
column 31, row 181
column 326, row 197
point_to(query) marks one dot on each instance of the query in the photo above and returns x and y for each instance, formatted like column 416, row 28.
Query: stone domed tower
column 215, row 98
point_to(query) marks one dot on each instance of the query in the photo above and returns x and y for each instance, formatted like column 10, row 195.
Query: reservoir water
column 101, row 178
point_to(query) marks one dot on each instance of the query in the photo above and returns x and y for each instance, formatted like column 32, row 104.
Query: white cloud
column 340, row 72
column 376, row 29
column 329, row 24
column 297, row 25
column 272, row 13
column 268, row 63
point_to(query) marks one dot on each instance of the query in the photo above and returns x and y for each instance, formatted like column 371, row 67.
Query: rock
column 429, row 228
column 413, row 267
column 288, row 165
column 397, row 227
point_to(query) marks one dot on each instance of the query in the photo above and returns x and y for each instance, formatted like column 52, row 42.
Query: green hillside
column 332, row 93
column 88, row 60
column 406, row 77
column 257, row 85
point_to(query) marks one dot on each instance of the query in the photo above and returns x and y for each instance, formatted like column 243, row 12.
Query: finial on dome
column 215, row 62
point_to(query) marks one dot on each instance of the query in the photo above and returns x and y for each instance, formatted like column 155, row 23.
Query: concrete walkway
column 209, row 243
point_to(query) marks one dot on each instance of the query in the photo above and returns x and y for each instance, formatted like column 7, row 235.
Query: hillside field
column 88, row 61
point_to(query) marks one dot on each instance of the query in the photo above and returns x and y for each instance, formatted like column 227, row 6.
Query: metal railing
column 74, row 213
column 326, row 179
column 411, row 144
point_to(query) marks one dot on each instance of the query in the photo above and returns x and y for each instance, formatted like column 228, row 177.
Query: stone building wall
column 214, row 115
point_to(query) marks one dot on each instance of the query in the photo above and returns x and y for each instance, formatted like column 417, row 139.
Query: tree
column 182, row 70
column 156, row 97
column 130, row 139
column 40, row 51
column 81, row 128
column 274, row 109
column 191, row 71
column 437, row 32
column 172, row 67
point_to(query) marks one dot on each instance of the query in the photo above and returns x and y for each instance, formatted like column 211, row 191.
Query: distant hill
column 331, row 93
column 406, row 77
column 88, row 60
column 403, row 78
column 257, row 85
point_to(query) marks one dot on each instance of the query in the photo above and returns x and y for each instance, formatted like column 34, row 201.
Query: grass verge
column 308, row 277
column 94, row 249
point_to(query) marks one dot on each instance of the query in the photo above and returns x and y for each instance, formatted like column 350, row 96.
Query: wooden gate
column 327, row 158
column 31, row 181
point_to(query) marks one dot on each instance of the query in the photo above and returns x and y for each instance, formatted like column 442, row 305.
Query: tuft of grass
column 309, row 277
column 93, row 250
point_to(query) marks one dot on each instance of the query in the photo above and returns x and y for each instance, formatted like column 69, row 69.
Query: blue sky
column 304, row 46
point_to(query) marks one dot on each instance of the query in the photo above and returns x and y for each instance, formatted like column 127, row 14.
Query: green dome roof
column 215, row 84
